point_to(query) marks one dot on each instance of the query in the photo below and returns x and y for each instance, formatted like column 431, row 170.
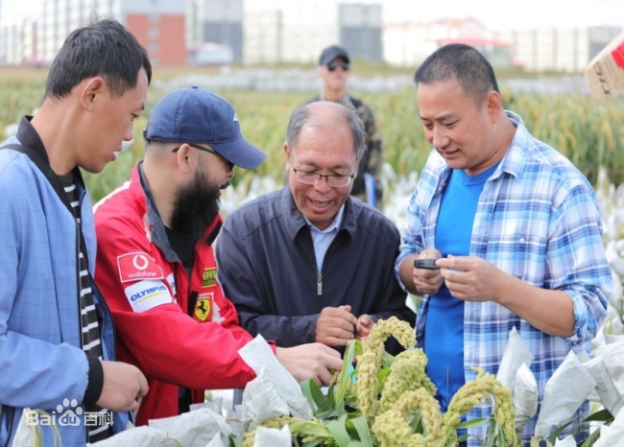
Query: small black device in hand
column 426, row 263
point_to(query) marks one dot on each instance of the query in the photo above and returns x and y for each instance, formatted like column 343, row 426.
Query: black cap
column 332, row 52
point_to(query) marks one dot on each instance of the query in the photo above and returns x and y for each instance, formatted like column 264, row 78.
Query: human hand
column 364, row 327
column 310, row 361
column 428, row 281
column 124, row 386
column 471, row 278
column 335, row 326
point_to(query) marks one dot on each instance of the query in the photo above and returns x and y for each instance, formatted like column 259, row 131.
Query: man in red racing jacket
column 156, row 267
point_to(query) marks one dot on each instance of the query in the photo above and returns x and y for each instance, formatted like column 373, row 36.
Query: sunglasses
column 334, row 64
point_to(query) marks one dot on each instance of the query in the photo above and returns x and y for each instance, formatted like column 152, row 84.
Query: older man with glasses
column 334, row 68
column 309, row 263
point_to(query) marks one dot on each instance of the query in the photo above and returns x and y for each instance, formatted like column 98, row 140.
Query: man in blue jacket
column 56, row 336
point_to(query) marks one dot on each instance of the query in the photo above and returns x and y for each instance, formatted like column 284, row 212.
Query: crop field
column 590, row 133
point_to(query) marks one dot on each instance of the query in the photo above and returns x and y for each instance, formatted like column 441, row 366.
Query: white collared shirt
column 323, row 238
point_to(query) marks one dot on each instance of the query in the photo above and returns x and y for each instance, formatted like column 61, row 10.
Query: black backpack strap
column 356, row 103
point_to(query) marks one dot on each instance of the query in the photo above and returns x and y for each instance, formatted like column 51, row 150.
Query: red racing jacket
column 179, row 332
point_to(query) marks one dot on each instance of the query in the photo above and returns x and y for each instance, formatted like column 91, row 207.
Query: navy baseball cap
column 332, row 52
column 196, row 115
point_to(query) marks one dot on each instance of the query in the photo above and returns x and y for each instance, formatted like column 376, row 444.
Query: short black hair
column 105, row 48
column 463, row 63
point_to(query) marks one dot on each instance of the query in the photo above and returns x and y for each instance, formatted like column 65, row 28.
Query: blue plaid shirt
column 538, row 219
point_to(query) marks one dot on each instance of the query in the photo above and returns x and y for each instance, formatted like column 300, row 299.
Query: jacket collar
column 28, row 136
column 295, row 222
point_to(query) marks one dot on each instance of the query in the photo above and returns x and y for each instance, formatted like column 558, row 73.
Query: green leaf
column 362, row 429
column 382, row 376
column 234, row 441
column 339, row 432
column 416, row 422
column 473, row 423
column 345, row 375
column 388, row 360
column 313, row 393
column 599, row 416
column 490, row 439
column 592, row 438
column 309, row 428
column 462, row 438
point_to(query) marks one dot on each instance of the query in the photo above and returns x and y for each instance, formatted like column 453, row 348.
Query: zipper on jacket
column 78, row 250
column 319, row 285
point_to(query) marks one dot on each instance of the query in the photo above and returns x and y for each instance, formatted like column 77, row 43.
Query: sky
column 494, row 14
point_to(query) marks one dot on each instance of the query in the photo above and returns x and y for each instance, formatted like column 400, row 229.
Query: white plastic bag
column 525, row 396
column 273, row 437
column 613, row 357
column 564, row 393
column 612, row 435
column 194, row 428
column 271, row 375
column 25, row 435
column 607, row 393
column 139, row 436
column 516, row 353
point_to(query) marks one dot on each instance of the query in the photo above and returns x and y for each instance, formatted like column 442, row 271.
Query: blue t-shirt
column 444, row 330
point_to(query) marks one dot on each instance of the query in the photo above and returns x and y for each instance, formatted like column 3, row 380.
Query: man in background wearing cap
column 334, row 68
column 156, row 266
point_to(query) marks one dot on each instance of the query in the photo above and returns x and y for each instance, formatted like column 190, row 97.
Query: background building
column 557, row 49
column 408, row 44
column 263, row 37
column 36, row 38
column 215, row 31
column 159, row 25
column 296, row 32
column 221, row 32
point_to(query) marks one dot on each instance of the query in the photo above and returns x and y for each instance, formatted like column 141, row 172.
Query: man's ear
column 357, row 166
column 493, row 103
column 287, row 154
column 183, row 156
column 90, row 90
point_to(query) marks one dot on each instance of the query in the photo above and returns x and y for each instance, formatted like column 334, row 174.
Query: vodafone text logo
column 140, row 262
column 138, row 266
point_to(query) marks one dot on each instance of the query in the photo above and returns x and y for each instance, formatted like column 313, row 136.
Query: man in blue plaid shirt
column 516, row 228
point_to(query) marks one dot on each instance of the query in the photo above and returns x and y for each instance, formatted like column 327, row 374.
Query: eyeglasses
column 334, row 64
column 333, row 180
column 230, row 165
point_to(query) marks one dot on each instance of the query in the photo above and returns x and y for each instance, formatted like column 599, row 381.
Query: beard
column 196, row 206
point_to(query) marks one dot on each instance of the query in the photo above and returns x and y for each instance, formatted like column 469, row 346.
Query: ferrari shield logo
column 203, row 307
